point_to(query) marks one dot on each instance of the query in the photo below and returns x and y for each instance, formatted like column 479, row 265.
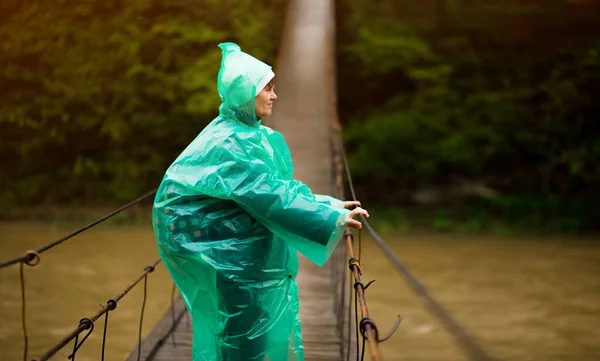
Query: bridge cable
column 32, row 258
column 32, row 262
column 462, row 337
column 353, row 193
column 111, row 306
column 150, row 269
column 142, row 318
column 173, row 314
column 366, row 326
column 23, row 313
column 29, row 257
column 349, row 315
column 88, row 323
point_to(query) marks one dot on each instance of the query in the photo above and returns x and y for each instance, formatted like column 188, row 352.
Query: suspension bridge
column 333, row 299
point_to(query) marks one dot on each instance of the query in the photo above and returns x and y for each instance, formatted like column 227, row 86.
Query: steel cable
column 88, row 323
column 462, row 337
column 28, row 257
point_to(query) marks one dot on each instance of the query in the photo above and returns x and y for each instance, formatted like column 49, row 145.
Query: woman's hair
column 270, row 84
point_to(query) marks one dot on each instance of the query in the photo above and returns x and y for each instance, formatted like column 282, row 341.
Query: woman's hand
column 356, row 212
column 350, row 204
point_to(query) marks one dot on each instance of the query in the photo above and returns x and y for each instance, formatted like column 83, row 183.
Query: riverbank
column 135, row 215
column 467, row 219
column 397, row 220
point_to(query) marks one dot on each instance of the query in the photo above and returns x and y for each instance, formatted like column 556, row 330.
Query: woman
column 229, row 218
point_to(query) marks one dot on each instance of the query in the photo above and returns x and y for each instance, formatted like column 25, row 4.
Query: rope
column 352, row 262
column 341, row 309
column 72, row 356
column 370, row 332
column 88, row 323
column 349, row 324
column 173, row 313
column 356, row 324
column 142, row 319
column 147, row 269
column 355, row 269
column 84, row 323
column 33, row 258
column 28, row 257
column 466, row 341
column 110, row 305
column 356, row 262
column 359, row 244
column 23, row 313
column 362, row 353
column 345, row 332
column 342, row 150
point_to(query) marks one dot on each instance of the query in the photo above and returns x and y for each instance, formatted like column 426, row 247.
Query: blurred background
column 471, row 126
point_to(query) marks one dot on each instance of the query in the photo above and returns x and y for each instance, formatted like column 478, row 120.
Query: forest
column 465, row 115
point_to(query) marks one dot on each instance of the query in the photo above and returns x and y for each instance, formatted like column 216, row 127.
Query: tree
column 99, row 96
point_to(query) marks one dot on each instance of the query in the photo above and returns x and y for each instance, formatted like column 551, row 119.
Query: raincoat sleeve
column 285, row 206
column 334, row 202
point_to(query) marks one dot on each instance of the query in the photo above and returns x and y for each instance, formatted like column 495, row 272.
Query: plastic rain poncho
column 228, row 220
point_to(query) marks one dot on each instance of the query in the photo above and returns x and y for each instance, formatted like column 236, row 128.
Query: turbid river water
column 524, row 299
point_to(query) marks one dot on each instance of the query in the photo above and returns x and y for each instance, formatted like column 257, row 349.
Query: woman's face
column 263, row 104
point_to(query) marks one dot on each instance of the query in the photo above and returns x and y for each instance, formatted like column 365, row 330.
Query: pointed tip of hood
column 228, row 48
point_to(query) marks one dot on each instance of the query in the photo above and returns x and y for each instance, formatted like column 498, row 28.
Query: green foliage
column 504, row 94
column 504, row 216
column 98, row 97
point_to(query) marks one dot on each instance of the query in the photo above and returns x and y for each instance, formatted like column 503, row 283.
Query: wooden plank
column 317, row 312
column 159, row 337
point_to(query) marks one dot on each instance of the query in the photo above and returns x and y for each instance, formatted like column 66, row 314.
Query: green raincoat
column 228, row 220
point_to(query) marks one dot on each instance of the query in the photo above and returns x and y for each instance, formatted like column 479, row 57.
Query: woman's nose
column 273, row 96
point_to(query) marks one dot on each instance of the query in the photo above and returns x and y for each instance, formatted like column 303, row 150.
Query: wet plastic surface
column 229, row 218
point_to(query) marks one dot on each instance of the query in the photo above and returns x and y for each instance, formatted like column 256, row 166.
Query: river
column 524, row 299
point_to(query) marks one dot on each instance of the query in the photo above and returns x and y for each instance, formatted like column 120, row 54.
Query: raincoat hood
column 240, row 79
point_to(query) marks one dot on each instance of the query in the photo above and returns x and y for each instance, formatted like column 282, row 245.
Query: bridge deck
column 304, row 115
column 170, row 341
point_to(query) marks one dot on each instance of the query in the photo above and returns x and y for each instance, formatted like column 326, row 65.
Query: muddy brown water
column 524, row 299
